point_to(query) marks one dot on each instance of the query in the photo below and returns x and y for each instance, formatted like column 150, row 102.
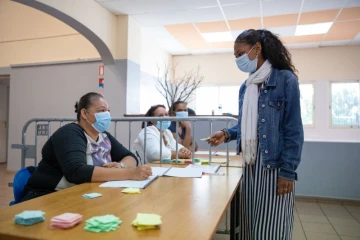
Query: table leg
column 235, row 216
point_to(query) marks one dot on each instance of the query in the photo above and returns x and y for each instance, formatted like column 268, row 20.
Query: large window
column 208, row 99
column 307, row 103
column 345, row 104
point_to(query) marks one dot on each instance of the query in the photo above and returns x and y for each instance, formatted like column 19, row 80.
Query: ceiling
column 181, row 26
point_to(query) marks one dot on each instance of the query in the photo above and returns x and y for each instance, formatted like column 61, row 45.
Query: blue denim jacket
column 280, row 129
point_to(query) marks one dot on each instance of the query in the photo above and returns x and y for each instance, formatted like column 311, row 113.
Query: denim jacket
column 280, row 129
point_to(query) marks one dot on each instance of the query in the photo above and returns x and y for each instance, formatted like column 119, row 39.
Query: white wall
column 3, row 120
column 319, row 65
column 152, row 57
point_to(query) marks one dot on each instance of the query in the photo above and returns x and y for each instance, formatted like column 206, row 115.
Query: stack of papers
column 131, row 191
column 129, row 183
column 145, row 221
column 66, row 220
column 104, row 223
column 29, row 217
column 184, row 172
column 205, row 169
column 92, row 195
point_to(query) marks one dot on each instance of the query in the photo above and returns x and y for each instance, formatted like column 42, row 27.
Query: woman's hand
column 284, row 186
column 185, row 153
column 216, row 138
column 141, row 173
column 112, row 165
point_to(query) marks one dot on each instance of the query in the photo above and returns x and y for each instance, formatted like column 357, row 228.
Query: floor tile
column 340, row 213
column 298, row 235
column 306, row 205
column 313, row 218
column 318, row 228
column 353, row 209
column 297, row 226
column 349, row 238
column 329, row 206
column 311, row 211
column 347, row 231
column 344, row 222
column 321, row 236
column 221, row 237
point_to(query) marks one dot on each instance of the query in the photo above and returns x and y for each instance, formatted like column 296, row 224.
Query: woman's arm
column 153, row 144
column 292, row 130
column 101, row 174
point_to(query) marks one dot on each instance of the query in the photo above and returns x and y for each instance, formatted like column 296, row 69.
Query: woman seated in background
column 153, row 139
column 83, row 152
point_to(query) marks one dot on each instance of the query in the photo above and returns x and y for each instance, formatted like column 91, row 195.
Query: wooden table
column 191, row 208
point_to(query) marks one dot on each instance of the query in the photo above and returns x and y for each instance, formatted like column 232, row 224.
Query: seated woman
column 83, row 152
column 153, row 139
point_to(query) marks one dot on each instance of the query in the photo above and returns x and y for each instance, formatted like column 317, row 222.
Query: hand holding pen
column 215, row 139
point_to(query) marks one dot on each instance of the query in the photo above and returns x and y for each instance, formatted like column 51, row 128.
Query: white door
column 4, row 111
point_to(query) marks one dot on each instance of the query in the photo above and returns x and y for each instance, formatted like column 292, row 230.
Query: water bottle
column 220, row 110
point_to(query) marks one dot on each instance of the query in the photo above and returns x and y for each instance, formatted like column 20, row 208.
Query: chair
column 20, row 180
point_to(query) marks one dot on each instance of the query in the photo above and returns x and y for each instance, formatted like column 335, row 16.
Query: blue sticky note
column 29, row 217
column 92, row 195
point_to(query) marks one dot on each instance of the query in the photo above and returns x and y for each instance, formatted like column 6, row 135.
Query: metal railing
column 30, row 151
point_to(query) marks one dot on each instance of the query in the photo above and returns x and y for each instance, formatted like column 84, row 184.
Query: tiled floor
column 313, row 221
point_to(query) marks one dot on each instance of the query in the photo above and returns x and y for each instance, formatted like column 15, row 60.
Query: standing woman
column 269, row 134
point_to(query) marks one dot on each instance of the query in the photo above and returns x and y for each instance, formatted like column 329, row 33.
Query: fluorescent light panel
column 217, row 37
column 310, row 29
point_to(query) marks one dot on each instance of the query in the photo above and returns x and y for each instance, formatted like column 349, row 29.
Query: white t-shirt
column 153, row 144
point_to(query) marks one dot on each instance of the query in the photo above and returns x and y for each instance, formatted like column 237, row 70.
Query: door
column 4, row 116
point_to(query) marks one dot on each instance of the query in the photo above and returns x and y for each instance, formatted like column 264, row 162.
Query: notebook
column 129, row 183
column 184, row 172
column 205, row 169
column 159, row 171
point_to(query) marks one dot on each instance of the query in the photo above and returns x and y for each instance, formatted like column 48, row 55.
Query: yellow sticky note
column 131, row 190
column 146, row 221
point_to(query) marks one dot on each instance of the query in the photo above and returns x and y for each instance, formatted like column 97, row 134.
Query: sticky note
column 29, row 217
column 92, row 195
column 131, row 190
column 104, row 223
column 66, row 220
column 145, row 221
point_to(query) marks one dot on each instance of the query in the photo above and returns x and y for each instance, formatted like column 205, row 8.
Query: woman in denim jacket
column 269, row 135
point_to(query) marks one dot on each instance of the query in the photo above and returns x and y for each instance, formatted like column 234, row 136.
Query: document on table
column 215, row 153
column 184, row 172
column 159, row 171
column 205, row 169
column 129, row 183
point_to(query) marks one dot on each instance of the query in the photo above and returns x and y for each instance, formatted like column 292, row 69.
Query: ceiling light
column 217, row 37
column 310, row 29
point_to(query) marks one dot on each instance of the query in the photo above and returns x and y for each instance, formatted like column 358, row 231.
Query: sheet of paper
column 205, row 168
column 215, row 153
column 203, row 152
column 129, row 183
column 184, row 172
column 159, row 171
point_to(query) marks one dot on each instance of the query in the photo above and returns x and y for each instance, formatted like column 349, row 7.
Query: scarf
column 249, row 118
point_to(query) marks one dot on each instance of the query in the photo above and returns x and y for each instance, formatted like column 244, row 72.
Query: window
column 307, row 103
column 209, row 99
column 345, row 104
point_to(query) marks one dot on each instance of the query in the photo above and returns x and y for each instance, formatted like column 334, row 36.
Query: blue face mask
column 103, row 121
column 245, row 64
column 165, row 125
column 182, row 114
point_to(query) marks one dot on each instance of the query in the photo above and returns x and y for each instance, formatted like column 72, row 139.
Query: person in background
column 269, row 134
column 153, row 139
column 83, row 152
column 180, row 109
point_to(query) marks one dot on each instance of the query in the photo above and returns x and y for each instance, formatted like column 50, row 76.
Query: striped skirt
column 263, row 214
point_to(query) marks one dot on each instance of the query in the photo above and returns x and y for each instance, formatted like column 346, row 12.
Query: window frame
column 332, row 126
column 313, row 83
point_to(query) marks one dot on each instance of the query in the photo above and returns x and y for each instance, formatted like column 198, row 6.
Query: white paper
column 215, row 153
column 159, row 171
column 205, row 168
column 184, row 172
column 129, row 183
